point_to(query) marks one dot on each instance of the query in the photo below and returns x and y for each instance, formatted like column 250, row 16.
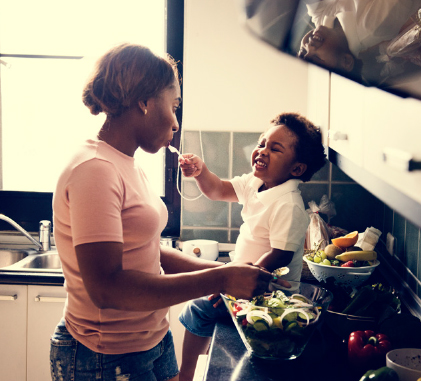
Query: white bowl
column 202, row 248
column 406, row 362
column 349, row 276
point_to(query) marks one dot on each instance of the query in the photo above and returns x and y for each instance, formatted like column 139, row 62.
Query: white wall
column 233, row 81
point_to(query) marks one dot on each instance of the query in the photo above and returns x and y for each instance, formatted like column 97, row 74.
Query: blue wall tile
column 243, row 145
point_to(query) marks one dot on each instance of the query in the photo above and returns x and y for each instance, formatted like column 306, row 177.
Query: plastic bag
column 318, row 232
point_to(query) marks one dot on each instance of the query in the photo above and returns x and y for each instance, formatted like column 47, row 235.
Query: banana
column 357, row 256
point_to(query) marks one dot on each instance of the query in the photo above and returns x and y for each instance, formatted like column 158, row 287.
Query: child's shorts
column 199, row 316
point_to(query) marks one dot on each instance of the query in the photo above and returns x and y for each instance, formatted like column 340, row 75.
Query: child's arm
column 210, row 184
column 274, row 259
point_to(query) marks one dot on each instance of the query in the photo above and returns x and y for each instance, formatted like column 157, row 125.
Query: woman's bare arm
column 110, row 286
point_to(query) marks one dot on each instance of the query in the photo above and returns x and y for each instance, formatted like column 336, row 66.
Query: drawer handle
column 8, row 297
column 338, row 135
column 49, row 299
column 401, row 160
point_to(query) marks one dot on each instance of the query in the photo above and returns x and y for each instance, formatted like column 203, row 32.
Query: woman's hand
column 190, row 164
column 244, row 281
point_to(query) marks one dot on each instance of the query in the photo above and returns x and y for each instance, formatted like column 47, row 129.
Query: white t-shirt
column 274, row 218
column 365, row 22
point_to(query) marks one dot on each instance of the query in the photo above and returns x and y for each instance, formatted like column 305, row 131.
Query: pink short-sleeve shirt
column 103, row 196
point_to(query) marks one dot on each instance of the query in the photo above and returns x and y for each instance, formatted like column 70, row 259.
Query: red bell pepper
column 235, row 308
column 367, row 349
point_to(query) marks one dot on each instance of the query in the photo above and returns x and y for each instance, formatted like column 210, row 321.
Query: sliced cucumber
column 261, row 325
column 292, row 316
column 241, row 315
column 302, row 317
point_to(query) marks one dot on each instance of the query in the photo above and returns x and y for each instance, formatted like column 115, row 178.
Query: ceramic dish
column 406, row 362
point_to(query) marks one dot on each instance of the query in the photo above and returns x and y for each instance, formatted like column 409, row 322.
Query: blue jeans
column 199, row 316
column 72, row 361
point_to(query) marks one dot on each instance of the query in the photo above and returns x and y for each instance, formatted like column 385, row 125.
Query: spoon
column 174, row 150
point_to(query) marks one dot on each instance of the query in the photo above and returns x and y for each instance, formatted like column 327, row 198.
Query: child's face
column 324, row 46
column 274, row 158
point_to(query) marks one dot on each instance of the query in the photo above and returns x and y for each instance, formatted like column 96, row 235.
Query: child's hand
column 217, row 302
column 190, row 164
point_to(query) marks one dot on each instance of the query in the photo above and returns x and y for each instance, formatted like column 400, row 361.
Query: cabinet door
column 318, row 99
column 392, row 136
column 13, row 311
column 346, row 118
column 45, row 309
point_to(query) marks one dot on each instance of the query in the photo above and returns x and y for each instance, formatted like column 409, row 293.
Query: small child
column 275, row 219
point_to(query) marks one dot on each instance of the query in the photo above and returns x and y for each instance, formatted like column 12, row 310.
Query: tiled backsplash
column 228, row 154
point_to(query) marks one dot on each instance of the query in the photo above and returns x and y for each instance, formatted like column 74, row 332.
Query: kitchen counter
column 323, row 359
column 38, row 278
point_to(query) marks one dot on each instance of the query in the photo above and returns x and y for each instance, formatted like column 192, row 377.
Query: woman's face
column 274, row 157
column 324, row 46
column 160, row 120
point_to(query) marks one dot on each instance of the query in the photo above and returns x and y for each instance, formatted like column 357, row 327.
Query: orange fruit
column 347, row 240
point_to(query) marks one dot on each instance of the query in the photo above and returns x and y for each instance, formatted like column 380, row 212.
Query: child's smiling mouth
column 260, row 164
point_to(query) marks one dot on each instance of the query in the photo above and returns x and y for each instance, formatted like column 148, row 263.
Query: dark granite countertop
column 323, row 359
column 30, row 278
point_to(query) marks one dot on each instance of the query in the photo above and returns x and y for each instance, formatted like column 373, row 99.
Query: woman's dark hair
column 309, row 148
column 125, row 75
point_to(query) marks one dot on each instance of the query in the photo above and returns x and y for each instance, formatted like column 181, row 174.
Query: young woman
column 107, row 225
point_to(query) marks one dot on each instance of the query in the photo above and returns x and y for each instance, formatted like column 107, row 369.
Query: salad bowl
column 279, row 324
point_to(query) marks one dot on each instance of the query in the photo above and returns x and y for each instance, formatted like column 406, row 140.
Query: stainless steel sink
column 42, row 261
column 10, row 256
column 31, row 262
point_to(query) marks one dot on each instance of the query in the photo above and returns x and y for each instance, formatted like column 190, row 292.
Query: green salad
column 275, row 325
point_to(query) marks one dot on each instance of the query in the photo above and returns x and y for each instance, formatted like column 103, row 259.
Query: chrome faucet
column 44, row 243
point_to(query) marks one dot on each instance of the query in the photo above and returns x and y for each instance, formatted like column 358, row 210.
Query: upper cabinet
column 373, row 136
column 392, row 140
column 318, row 99
column 346, row 118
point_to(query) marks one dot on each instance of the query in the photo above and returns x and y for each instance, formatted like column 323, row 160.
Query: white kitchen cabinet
column 346, row 118
column 392, row 136
column 28, row 316
column 13, row 313
column 45, row 309
column 318, row 99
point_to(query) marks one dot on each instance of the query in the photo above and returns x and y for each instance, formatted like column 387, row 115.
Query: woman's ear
column 298, row 169
column 143, row 106
column 347, row 62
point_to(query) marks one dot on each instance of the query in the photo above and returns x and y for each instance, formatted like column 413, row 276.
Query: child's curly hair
column 309, row 148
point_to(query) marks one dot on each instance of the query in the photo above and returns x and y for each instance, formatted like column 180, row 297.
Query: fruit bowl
column 278, row 325
column 348, row 276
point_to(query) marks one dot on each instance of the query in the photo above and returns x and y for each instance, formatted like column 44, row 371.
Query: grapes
column 320, row 257
column 326, row 262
